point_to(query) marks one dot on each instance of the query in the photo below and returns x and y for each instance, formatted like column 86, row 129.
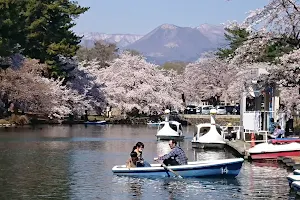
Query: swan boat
column 208, row 135
column 223, row 167
column 168, row 130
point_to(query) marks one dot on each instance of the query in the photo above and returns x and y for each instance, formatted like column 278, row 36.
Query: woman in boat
column 138, row 148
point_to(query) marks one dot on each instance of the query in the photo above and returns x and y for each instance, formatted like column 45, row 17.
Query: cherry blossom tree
column 131, row 82
column 274, row 41
column 85, row 81
column 210, row 77
column 36, row 93
column 290, row 98
column 278, row 16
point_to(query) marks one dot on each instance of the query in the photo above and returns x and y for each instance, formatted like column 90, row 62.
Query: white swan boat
column 168, row 130
column 273, row 151
column 208, row 135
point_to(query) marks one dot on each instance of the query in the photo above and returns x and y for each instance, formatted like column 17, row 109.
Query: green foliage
column 40, row 29
column 179, row 67
column 10, row 22
column 48, row 31
column 235, row 37
column 278, row 48
column 101, row 52
column 133, row 52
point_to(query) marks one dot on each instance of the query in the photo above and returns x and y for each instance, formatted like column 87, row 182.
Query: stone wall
column 222, row 120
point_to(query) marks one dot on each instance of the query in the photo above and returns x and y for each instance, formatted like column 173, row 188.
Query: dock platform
column 240, row 147
column 290, row 161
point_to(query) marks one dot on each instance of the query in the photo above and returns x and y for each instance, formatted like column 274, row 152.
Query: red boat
column 273, row 151
column 285, row 140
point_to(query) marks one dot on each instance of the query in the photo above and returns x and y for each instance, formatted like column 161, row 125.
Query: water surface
column 63, row 162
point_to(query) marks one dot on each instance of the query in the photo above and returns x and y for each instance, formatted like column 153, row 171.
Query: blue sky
column 142, row 16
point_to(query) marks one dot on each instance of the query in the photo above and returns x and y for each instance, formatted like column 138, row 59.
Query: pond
column 75, row 162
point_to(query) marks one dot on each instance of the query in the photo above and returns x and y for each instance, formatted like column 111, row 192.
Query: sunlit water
column 62, row 162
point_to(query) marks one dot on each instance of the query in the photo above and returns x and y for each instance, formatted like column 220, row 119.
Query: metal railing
column 264, row 133
column 235, row 129
column 241, row 134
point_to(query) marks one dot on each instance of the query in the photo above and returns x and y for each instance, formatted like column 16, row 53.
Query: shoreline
column 185, row 120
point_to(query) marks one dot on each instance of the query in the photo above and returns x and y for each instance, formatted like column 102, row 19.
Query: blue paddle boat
column 292, row 178
column 296, row 172
column 224, row 167
column 153, row 124
column 296, row 186
column 96, row 122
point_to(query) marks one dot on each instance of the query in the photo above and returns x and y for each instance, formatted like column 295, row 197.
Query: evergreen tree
column 10, row 29
column 102, row 52
column 235, row 37
column 48, row 33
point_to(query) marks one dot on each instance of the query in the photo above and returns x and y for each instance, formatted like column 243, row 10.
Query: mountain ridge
column 167, row 42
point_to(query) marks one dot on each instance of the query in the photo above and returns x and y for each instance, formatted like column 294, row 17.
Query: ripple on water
column 62, row 162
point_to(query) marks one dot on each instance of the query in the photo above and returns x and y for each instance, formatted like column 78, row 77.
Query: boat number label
column 224, row 170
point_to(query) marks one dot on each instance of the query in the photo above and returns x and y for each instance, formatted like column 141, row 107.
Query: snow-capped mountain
column 214, row 33
column 167, row 42
column 121, row 40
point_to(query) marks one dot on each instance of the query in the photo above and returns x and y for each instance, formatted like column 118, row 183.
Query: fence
column 241, row 134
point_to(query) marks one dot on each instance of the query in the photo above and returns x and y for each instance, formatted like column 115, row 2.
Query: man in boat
column 132, row 161
column 175, row 157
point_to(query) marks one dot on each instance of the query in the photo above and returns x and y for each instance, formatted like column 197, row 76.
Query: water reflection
column 33, row 171
column 163, row 148
column 63, row 162
column 204, row 154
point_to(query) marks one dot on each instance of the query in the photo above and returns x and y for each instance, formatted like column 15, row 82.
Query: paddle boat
column 292, row 177
column 153, row 124
column 209, row 135
column 96, row 122
column 296, row 172
column 273, row 151
column 296, row 186
column 168, row 130
column 223, row 168
column 284, row 140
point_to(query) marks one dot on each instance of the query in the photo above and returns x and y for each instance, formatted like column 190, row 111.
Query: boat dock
column 240, row 147
column 291, row 161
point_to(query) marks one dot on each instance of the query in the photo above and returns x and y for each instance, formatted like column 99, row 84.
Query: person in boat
column 278, row 133
column 132, row 161
column 175, row 157
column 272, row 126
column 138, row 148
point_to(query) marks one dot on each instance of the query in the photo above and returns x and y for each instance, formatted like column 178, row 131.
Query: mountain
column 213, row 32
column 121, row 40
column 173, row 43
column 167, row 42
